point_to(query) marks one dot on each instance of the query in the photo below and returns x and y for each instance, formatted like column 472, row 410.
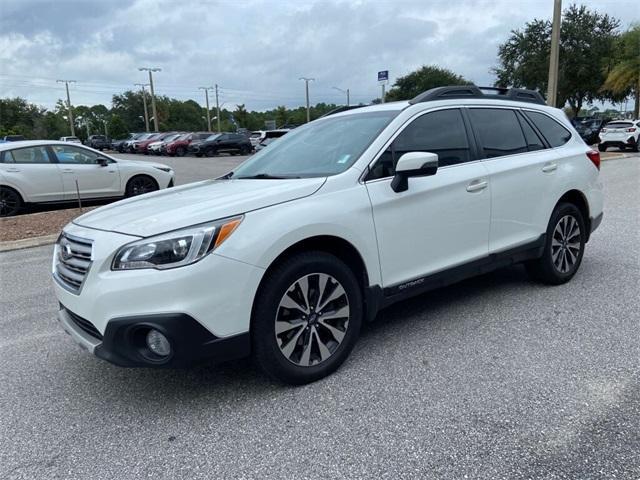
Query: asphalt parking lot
column 496, row 377
column 191, row 169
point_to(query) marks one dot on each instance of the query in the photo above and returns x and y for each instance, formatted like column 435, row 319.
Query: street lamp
column 153, row 95
column 306, row 85
column 343, row 91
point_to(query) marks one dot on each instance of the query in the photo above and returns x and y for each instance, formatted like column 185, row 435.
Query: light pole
column 206, row 96
column 343, row 91
column 69, row 109
column 552, row 90
column 217, row 108
column 153, row 95
column 144, row 102
column 306, row 88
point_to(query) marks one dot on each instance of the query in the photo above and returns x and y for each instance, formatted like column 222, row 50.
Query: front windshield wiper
column 265, row 176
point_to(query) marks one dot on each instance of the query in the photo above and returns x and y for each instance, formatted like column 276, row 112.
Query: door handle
column 550, row 167
column 477, row 185
column 12, row 169
column 67, row 170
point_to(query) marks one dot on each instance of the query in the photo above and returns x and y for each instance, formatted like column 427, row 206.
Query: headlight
column 164, row 169
column 175, row 249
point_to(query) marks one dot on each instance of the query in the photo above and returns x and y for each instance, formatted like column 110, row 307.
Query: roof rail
column 473, row 91
column 343, row 108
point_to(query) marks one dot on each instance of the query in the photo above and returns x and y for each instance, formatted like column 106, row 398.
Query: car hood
column 195, row 203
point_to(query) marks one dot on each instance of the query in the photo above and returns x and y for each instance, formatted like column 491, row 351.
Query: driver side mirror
column 103, row 162
column 413, row 164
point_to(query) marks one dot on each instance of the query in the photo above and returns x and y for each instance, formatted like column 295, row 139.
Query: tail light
column 632, row 129
column 594, row 156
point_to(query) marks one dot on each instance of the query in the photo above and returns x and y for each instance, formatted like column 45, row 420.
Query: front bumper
column 215, row 294
column 123, row 342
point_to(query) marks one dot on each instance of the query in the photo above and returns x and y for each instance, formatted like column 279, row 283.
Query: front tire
column 602, row 148
column 10, row 202
column 180, row 151
column 563, row 249
column 140, row 184
column 307, row 318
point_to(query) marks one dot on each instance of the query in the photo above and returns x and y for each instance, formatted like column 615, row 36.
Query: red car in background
column 180, row 146
column 141, row 146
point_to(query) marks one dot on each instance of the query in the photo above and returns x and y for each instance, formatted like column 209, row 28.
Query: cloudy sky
column 255, row 50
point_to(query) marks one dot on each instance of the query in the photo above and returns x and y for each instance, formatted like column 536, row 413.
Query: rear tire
column 602, row 148
column 291, row 339
column 10, row 202
column 180, row 151
column 563, row 249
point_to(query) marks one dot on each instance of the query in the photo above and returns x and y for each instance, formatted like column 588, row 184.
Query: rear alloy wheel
column 564, row 247
column 10, row 202
column 308, row 317
column 141, row 184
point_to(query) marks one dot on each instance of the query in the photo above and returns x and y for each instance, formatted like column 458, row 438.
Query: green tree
column 624, row 78
column 117, row 128
column 425, row 78
column 587, row 40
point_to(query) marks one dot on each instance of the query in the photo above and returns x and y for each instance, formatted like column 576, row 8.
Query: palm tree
column 624, row 77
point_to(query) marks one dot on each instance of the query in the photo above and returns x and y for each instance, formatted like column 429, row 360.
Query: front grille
column 73, row 261
column 85, row 325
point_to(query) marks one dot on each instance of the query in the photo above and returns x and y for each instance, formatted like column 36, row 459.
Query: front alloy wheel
column 306, row 317
column 312, row 319
column 141, row 184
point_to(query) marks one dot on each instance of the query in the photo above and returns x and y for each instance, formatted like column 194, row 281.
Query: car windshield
column 327, row 146
column 212, row 137
column 173, row 137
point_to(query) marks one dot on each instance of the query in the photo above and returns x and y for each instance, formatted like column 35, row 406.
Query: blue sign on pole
column 383, row 76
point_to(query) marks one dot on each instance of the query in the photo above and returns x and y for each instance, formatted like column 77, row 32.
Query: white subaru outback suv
column 285, row 257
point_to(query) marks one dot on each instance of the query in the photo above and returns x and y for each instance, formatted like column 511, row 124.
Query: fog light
column 158, row 343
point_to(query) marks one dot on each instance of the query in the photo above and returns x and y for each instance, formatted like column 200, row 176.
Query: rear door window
column 555, row 134
column 31, row 155
column 534, row 142
column 499, row 131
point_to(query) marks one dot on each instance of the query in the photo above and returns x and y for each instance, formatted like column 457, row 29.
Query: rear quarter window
column 555, row 134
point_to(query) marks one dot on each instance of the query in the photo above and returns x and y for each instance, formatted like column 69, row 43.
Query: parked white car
column 287, row 256
column 49, row 171
column 620, row 133
column 155, row 148
column 70, row 139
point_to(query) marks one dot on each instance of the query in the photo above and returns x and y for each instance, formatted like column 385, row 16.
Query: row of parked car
column 179, row 144
column 607, row 133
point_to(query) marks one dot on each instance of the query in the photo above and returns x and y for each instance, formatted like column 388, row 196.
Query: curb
column 28, row 243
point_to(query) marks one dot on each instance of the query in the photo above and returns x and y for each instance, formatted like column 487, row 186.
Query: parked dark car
column 99, row 142
column 180, row 146
column 589, row 128
column 233, row 143
column 120, row 145
column 13, row 138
